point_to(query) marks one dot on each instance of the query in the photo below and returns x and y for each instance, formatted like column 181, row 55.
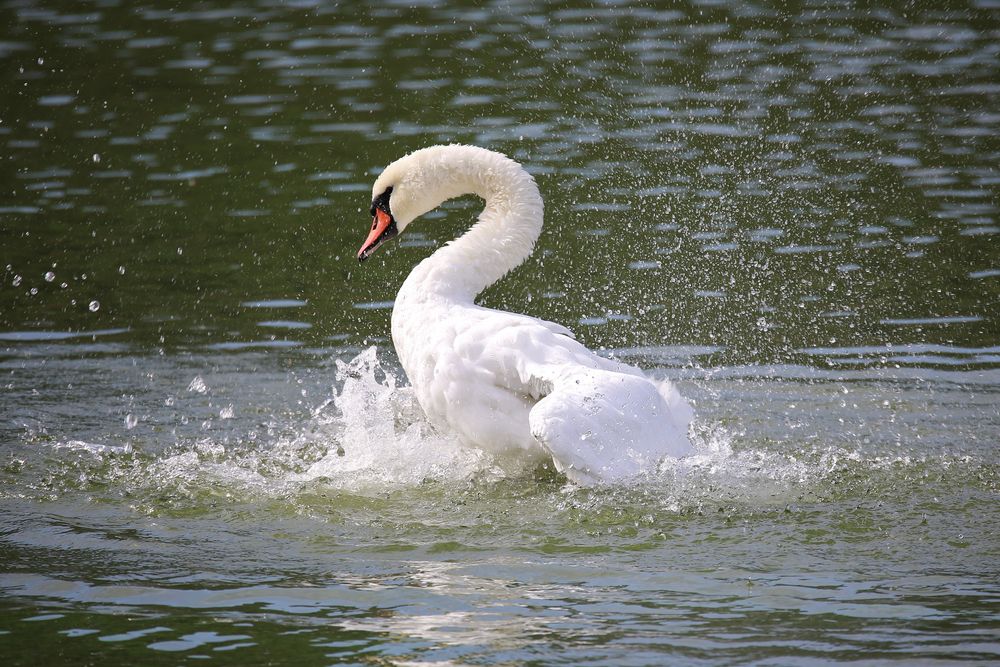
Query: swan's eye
column 382, row 202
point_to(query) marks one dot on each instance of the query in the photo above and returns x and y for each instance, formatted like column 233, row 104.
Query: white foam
column 719, row 471
column 94, row 448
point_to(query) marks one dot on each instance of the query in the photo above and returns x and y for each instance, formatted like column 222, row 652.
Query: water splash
column 370, row 438
column 379, row 435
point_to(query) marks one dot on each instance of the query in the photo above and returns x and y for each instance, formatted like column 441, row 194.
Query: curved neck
column 501, row 239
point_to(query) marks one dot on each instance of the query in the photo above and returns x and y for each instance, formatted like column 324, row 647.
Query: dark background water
column 791, row 207
column 758, row 178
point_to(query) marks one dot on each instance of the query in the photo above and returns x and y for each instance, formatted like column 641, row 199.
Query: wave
column 370, row 439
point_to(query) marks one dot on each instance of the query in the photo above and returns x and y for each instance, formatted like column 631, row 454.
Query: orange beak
column 383, row 229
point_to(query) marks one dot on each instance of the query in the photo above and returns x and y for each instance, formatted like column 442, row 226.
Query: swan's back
column 507, row 382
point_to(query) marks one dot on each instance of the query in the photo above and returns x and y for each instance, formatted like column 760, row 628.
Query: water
column 792, row 211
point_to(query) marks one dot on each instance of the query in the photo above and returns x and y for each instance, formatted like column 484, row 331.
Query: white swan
column 504, row 382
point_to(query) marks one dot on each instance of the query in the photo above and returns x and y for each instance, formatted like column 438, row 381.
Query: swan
column 510, row 384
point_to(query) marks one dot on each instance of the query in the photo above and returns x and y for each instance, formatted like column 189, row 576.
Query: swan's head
column 398, row 197
column 417, row 183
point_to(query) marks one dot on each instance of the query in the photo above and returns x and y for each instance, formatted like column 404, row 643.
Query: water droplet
column 94, row 306
column 198, row 385
column 33, row 291
column 96, row 157
column 131, row 421
column 180, row 251
column 49, row 277
column 16, row 281
column 121, row 270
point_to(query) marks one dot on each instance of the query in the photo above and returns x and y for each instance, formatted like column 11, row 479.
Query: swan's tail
column 601, row 426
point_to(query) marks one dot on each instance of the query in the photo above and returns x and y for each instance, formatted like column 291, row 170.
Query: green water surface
column 791, row 209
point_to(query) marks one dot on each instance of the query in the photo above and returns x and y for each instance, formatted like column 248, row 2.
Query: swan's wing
column 600, row 420
column 503, row 319
column 510, row 349
column 555, row 328
column 602, row 426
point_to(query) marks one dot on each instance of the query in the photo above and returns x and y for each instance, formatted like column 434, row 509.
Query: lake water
column 208, row 450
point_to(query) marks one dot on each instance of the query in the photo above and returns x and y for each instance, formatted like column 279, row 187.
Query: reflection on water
column 791, row 210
